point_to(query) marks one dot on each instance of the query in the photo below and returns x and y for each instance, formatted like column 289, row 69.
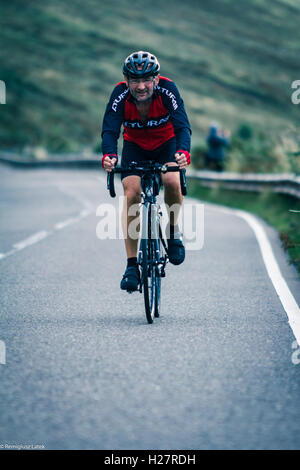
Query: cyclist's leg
column 132, row 192
column 173, row 201
column 173, row 196
column 171, row 182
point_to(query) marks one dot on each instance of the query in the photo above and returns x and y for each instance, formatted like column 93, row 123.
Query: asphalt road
column 84, row 370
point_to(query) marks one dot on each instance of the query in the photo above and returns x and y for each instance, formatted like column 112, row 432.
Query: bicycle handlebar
column 144, row 168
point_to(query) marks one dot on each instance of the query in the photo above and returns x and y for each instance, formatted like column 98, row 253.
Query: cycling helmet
column 141, row 64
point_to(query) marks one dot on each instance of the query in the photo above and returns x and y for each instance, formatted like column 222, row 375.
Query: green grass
column 276, row 209
column 232, row 61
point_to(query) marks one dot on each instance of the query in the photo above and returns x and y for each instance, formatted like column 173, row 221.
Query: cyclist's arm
column 112, row 122
column 178, row 116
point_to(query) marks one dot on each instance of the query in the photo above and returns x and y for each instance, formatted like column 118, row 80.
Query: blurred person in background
column 217, row 140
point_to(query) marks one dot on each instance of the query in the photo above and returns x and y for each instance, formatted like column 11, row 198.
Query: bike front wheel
column 148, row 279
column 158, row 280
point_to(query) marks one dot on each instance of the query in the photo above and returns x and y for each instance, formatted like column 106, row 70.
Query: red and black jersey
column 167, row 118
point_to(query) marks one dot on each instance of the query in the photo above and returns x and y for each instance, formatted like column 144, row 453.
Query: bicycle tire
column 157, row 294
column 147, row 265
column 157, row 285
column 148, row 279
column 156, row 256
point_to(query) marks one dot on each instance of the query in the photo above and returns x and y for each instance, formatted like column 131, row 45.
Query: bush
column 198, row 156
column 253, row 150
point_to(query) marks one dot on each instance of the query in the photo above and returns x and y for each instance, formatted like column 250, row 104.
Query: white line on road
column 286, row 297
column 37, row 237
column 66, row 222
column 63, row 224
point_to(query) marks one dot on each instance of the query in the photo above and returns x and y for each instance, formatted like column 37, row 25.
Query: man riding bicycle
column 157, row 128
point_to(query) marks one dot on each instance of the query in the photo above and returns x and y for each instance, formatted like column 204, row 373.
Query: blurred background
column 233, row 62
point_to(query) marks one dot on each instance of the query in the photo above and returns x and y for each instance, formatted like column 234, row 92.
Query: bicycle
column 152, row 252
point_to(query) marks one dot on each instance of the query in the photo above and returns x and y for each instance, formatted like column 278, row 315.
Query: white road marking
column 8, row 253
column 65, row 223
column 37, row 237
column 286, row 297
column 2, row 352
column 86, row 212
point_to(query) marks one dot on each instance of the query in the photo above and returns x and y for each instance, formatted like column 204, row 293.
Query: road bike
column 152, row 256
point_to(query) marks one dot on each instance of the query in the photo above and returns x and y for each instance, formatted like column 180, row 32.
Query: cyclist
column 157, row 128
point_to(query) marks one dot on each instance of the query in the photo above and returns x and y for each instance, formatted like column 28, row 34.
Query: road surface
column 82, row 369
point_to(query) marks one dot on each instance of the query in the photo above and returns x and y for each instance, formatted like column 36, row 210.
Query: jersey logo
column 150, row 123
column 170, row 95
column 117, row 100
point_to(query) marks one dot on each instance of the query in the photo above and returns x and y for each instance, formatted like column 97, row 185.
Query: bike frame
column 150, row 223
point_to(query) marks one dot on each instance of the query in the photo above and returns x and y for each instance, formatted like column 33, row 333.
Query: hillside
column 233, row 62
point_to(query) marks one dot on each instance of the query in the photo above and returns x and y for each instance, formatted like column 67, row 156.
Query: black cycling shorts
column 134, row 153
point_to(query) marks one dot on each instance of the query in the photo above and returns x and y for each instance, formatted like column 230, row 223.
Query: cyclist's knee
column 132, row 190
column 172, row 183
column 133, row 197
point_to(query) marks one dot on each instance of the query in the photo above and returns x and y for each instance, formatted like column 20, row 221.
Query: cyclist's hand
column 109, row 163
column 182, row 158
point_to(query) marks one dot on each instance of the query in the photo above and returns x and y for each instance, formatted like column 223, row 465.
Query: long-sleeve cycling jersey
column 167, row 118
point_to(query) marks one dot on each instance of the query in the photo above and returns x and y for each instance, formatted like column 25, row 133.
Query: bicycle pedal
column 162, row 272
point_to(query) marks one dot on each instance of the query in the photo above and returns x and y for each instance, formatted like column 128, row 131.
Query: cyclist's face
column 142, row 88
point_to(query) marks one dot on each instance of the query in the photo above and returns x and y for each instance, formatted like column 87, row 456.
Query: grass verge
column 281, row 211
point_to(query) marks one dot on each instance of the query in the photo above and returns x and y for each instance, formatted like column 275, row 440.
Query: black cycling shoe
column 131, row 279
column 176, row 251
